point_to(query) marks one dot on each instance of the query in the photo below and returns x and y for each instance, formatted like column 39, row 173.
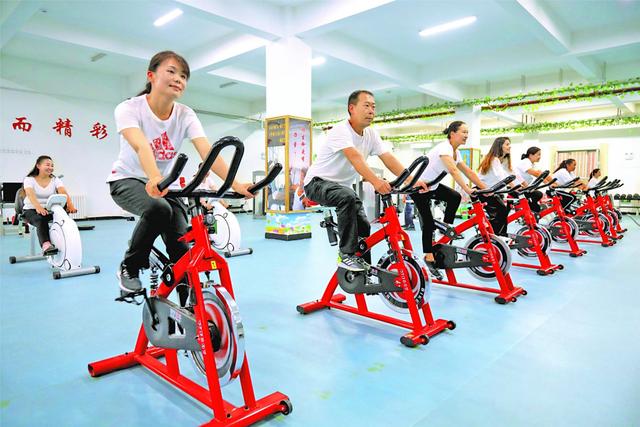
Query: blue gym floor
column 567, row 354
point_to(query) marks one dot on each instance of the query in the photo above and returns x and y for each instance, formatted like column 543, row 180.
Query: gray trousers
column 166, row 217
column 352, row 221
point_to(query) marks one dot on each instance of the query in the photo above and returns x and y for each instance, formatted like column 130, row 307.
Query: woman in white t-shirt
column 152, row 128
column 39, row 184
column 526, row 172
column 563, row 174
column 594, row 177
column 494, row 167
column 444, row 158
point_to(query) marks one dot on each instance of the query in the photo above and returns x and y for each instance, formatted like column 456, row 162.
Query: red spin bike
column 485, row 255
column 209, row 326
column 591, row 221
column 400, row 278
column 532, row 240
column 563, row 229
column 604, row 201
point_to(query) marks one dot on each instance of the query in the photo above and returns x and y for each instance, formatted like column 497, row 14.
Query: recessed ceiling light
column 167, row 18
column 318, row 60
column 448, row 26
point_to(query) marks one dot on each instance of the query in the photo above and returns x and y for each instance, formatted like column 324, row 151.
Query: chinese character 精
column 63, row 124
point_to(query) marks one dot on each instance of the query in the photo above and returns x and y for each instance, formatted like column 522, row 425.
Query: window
column 586, row 161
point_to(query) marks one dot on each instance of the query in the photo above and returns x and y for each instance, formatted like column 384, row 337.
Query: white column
column 471, row 116
column 288, row 73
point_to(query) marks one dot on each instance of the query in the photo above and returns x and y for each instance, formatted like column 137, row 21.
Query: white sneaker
column 507, row 240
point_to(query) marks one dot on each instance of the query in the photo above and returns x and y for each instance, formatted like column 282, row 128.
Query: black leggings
column 497, row 212
column 566, row 199
column 40, row 222
column 166, row 217
column 534, row 198
column 423, row 203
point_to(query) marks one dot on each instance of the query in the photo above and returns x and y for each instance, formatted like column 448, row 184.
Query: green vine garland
column 529, row 128
column 529, row 101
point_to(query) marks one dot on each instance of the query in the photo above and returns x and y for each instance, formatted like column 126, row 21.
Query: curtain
column 586, row 161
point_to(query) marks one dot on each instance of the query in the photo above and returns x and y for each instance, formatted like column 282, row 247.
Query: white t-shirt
column 209, row 184
column 42, row 193
column 521, row 171
column 593, row 181
column 164, row 136
column 436, row 165
column 332, row 165
column 496, row 173
column 563, row 176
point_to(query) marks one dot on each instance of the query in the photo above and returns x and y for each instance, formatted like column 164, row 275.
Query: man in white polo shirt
column 339, row 161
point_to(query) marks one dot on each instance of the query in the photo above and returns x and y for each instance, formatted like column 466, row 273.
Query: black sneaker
column 351, row 262
column 433, row 270
column 128, row 278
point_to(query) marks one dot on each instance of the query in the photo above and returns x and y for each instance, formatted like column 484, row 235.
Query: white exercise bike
column 65, row 236
column 228, row 235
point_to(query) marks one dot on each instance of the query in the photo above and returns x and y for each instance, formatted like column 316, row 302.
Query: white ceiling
column 370, row 44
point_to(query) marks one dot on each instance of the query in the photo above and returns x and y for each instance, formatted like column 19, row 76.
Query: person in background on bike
column 526, row 172
column 494, row 167
column 444, row 158
column 39, row 184
column 594, row 177
column 339, row 161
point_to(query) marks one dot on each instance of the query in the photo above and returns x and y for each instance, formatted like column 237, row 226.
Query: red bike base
column 572, row 253
column 420, row 334
column 253, row 411
column 506, row 294
column 541, row 270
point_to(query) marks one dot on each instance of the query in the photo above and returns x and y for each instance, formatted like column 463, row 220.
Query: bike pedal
column 130, row 297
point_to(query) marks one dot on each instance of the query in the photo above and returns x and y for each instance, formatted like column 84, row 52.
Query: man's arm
column 392, row 163
column 356, row 159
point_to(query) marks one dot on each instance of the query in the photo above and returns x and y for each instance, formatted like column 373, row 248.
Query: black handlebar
column 570, row 184
column 553, row 181
column 601, row 183
column 497, row 186
column 216, row 148
column 175, row 171
column 190, row 189
column 271, row 175
column 420, row 164
column 540, row 178
column 610, row 186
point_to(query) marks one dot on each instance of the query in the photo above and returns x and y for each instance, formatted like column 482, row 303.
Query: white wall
column 615, row 142
column 84, row 160
column 43, row 93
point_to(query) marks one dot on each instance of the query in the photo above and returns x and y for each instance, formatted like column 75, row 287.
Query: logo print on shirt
column 162, row 148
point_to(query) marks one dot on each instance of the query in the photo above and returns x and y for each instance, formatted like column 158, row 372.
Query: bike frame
column 399, row 243
column 506, row 289
column 556, row 208
column 523, row 210
column 590, row 206
column 201, row 257
column 606, row 204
